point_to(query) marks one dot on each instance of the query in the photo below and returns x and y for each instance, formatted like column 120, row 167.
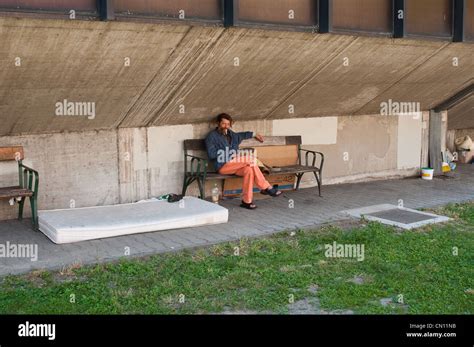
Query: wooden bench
column 28, row 183
column 196, row 168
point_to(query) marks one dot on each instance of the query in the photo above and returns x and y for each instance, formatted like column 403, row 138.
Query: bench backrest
column 194, row 145
column 11, row 153
column 200, row 144
column 274, row 151
column 28, row 178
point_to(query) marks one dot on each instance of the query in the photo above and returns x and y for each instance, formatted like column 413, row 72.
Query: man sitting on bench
column 222, row 144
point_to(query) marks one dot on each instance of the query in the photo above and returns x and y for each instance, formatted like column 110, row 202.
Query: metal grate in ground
column 405, row 218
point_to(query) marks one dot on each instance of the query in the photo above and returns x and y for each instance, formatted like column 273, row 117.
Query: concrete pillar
column 437, row 139
column 425, row 139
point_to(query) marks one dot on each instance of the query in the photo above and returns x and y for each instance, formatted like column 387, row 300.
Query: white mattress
column 88, row 223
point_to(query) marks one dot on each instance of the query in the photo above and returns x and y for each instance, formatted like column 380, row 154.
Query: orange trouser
column 245, row 166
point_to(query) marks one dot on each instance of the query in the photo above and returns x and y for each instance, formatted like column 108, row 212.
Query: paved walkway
column 272, row 215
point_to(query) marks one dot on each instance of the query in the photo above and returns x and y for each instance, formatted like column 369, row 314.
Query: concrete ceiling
column 461, row 116
column 184, row 74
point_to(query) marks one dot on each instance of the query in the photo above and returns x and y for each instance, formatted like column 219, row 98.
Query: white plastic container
column 427, row 173
column 215, row 194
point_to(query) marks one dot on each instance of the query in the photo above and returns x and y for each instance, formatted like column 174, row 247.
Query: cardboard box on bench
column 271, row 156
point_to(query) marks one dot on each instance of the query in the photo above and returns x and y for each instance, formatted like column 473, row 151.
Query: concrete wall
column 74, row 168
column 461, row 116
column 368, row 147
column 108, row 167
column 356, row 148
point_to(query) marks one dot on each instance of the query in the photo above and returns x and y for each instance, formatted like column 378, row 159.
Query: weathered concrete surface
column 180, row 74
column 133, row 164
column 359, row 150
column 270, row 66
column 74, row 168
column 461, row 116
column 77, row 61
column 432, row 79
column 437, row 139
column 151, row 161
column 130, row 164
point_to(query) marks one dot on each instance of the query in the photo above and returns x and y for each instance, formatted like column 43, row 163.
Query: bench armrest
column 27, row 175
column 29, row 169
column 313, row 155
column 197, row 165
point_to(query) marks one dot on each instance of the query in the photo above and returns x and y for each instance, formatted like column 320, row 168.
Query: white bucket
column 427, row 173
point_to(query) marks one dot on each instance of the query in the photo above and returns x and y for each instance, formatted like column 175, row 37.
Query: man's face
column 224, row 125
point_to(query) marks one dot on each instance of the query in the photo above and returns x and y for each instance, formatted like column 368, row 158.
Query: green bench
column 27, row 186
column 196, row 168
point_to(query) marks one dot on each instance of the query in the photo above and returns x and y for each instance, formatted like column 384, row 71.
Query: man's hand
column 259, row 138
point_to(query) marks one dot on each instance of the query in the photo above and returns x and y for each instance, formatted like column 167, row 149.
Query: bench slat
column 296, row 169
column 10, row 153
column 272, row 141
column 215, row 176
column 218, row 176
column 292, row 169
column 13, row 192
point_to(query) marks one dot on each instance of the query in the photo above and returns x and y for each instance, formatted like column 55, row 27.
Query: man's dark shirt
column 217, row 142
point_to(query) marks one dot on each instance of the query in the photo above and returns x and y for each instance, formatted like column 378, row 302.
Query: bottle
column 215, row 194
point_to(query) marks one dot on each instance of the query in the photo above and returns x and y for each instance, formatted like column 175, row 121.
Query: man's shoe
column 271, row 191
column 250, row 206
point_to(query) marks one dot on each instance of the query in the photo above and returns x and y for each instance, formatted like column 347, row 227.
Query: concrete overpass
column 173, row 65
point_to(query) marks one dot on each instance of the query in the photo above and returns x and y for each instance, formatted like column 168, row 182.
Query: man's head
column 224, row 122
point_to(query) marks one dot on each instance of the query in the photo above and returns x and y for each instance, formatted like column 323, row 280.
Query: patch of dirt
column 288, row 268
column 67, row 274
column 388, row 302
column 305, row 306
column 35, row 277
column 312, row 306
column 360, row 279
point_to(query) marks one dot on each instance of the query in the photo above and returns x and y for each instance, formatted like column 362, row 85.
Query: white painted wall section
column 314, row 131
column 409, row 141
